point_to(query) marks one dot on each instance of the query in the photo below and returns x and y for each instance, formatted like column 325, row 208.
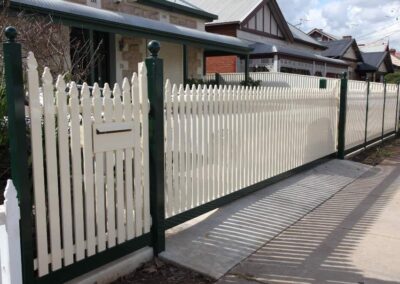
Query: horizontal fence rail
column 276, row 79
column 221, row 140
column 90, row 167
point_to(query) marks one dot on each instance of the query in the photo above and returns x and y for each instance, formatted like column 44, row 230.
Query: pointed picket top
column 31, row 61
column 142, row 69
column 167, row 93
column 85, row 92
column 126, row 87
column 60, row 84
column 73, row 90
column 96, row 91
column 47, row 77
column 108, row 103
column 118, row 111
column 134, row 78
column 11, row 200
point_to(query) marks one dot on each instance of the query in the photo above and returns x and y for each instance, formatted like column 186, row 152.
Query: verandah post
column 155, row 79
column 366, row 114
column 342, row 117
column 18, row 146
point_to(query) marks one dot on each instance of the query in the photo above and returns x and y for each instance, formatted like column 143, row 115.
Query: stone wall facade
column 195, row 62
column 133, row 8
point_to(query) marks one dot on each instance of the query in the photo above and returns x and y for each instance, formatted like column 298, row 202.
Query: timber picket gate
column 112, row 169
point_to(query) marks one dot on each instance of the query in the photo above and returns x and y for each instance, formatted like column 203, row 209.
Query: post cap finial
column 11, row 33
column 344, row 75
column 154, row 48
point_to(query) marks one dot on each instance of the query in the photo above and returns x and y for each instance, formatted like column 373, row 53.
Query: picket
column 10, row 239
column 233, row 137
column 65, row 172
column 94, row 163
column 35, row 111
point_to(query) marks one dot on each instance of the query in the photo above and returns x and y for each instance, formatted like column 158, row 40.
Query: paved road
column 354, row 237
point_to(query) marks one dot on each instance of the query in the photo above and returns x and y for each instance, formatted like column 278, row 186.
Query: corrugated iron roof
column 120, row 23
column 226, row 10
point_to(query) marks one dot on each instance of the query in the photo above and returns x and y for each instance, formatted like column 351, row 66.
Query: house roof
column 337, row 48
column 270, row 49
column 378, row 46
column 299, row 35
column 322, row 32
column 238, row 10
column 120, row 23
column 181, row 6
column 395, row 60
column 377, row 58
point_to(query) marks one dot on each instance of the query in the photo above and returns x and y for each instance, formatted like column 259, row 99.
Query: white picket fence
column 10, row 245
column 357, row 111
column 277, row 79
column 90, row 166
column 220, row 140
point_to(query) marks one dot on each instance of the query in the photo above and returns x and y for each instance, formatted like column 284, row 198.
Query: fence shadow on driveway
column 325, row 246
column 232, row 233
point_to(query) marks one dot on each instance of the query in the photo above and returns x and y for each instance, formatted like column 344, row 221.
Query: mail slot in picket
column 112, row 136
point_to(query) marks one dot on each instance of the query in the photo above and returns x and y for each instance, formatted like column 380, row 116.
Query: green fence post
column 156, row 136
column 384, row 110
column 366, row 114
column 217, row 79
column 18, row 146
column 342, row 117
column 323, row 83
column 396, row 125
column 246, row 70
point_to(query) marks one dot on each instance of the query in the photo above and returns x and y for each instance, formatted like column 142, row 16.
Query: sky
column 369, row 21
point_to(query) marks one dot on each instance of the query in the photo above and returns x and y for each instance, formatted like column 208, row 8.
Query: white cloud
column 367, row 21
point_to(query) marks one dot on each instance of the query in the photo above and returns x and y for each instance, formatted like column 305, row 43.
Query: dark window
column 90, row 56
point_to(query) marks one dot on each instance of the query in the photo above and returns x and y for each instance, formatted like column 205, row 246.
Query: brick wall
column 221, row 64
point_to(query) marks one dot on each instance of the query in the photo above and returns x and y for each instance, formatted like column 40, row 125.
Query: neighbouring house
column 321, row 35
column 125, row 27
column 395, row 56
column 377, row 55
column 382, row 63
column 346, row 49
column 278, row 46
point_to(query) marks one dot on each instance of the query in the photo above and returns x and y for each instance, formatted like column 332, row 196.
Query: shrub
column 251, row 83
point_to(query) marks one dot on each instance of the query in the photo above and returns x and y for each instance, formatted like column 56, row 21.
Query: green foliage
column 251, row 83
column 393, row 78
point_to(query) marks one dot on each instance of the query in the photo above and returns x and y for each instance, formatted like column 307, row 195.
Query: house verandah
column 274, row 58
column 124, row 38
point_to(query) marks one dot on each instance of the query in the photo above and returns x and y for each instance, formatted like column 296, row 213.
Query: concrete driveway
column 353, row 237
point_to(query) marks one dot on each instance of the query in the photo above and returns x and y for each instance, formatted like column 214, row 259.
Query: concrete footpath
column 233, row 243
column 354, row 237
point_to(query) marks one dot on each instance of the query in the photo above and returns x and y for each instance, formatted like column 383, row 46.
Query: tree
column 393, row 78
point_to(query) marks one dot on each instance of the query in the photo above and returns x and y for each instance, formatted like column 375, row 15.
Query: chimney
column 347, row 37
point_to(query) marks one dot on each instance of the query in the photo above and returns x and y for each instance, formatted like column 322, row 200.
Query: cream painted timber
column 114, row 270
column 172, row 54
